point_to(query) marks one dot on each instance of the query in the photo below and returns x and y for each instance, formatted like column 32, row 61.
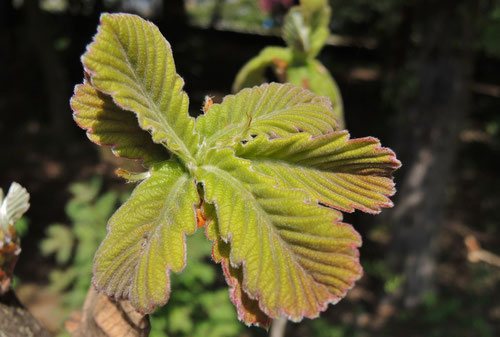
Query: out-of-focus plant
column 74, row 246
column 305, row 31
column 12, row 208
column 271, row 5
column 266, row 173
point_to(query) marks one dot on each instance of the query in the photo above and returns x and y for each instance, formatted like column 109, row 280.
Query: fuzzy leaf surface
column 248, row 309
column 146, row 238
column 276, row 110
column 295, row 256
column 131, row 61
column 108, row 124
column 315, row 77
column 346, row 174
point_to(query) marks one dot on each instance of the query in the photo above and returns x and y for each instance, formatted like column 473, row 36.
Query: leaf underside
column 267, row 165
column 108, row 124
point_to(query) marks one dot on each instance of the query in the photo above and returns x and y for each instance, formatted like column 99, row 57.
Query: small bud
column 132, row 177
column 207, row 103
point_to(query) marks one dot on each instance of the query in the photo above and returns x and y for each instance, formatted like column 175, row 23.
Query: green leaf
column 62, row 279
column 253, row 72
column 319, row 21
column 305, row 29
column 146, row 238
column 296, row 257
column 85, row 192
column 276, row 110
column 296, row 31
column 315, row 77
column 313, row 5
column 108, row 124
column 132, row 62
column 339, row 172
column 247, row 308
column 59, row 242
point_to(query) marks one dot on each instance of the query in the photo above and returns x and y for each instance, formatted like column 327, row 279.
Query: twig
column 278, row 327
column 476, row 254
column 16, row 321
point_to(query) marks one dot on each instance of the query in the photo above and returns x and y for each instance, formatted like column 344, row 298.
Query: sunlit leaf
column 247, row 308
column 132, row 62
column 343, row 173
column 296, row 257
column 273, row 109
column 108, row 124
column 315, row 77
column 146, row 239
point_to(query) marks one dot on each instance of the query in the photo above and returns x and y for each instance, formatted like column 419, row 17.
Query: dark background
column 423, row 76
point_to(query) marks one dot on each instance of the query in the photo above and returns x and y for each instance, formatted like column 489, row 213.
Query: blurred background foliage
column 424, row 76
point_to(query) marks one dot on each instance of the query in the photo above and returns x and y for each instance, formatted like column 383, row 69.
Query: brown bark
column 429, row 134
column 43, row 29
column 16, row 321
column 102, row 317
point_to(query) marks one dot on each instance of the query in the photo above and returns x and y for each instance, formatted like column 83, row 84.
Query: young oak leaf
column 295, row 256
column 131, row 61
column 146, row 238
column 108, row 124
column 339, row 172
column 273, row 109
